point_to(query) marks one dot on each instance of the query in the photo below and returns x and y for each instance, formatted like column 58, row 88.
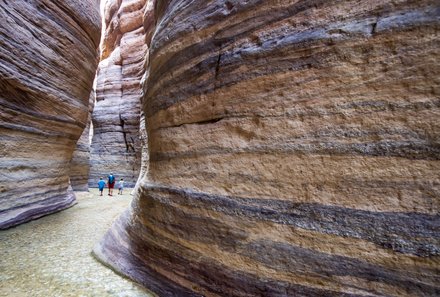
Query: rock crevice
column 116, row 145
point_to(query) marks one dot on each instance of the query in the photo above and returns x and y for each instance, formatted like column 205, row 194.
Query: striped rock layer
column 294, row 151
column 48, row 58
column 116, row 146
column 80, row 163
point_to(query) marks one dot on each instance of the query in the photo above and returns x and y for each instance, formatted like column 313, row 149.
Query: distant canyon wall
column 294, row 151
column 80, row 163
column 116, row 144
column 48, row 58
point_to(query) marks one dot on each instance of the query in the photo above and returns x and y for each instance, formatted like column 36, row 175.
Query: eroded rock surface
column 48, row 58
column 80, row 163
column 294, row 151
column 116, row 145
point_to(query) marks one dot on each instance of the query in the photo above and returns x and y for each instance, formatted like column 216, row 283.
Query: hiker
column 121, row 186
column 101, row 185
column 111, row 184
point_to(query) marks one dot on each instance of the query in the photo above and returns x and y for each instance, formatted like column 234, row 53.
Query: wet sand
column 51, row 256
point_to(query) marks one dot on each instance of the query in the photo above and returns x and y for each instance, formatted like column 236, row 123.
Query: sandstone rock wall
column 48, row 58
column 116, row 146
column 294, row 151
column 80, row 163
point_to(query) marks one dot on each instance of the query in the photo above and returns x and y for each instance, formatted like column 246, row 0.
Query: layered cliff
column 80, row 163
column 48, row 58
column 294, row 151
column 116, row 146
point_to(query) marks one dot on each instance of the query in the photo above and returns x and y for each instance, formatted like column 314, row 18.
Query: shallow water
column 51, row 256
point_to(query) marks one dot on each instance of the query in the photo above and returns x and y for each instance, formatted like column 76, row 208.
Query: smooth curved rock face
column 116, row 145
column 48, row 58
column 294, row 151
column 80, row 163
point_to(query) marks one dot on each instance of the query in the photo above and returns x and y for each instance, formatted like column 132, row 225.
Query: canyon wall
column 80, row 163
column 294, row 151
column 48, row 58
column 116, row 145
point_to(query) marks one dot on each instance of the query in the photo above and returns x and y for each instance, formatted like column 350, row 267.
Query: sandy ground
column 51, row 256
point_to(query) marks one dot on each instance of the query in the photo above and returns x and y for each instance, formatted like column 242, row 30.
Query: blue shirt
column 101, row 184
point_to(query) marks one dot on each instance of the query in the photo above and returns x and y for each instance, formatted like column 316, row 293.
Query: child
column 101, row 185
column 121, row 186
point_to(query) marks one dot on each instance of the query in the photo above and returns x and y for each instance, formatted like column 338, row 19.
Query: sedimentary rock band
column 280, row 148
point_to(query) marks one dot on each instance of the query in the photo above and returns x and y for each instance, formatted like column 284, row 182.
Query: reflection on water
column 52, row 256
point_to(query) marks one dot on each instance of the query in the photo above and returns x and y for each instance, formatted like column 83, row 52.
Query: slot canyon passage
column 276, row 148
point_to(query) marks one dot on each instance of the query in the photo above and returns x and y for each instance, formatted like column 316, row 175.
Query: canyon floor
column 52, row 256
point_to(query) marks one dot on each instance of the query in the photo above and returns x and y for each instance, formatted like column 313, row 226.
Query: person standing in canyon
column 101, row 185
column 111, row 184
column 121, row 186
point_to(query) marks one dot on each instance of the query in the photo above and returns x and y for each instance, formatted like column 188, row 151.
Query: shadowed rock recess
column 294, row 151
column 116, row 145
column 80, row 163
column 48, row 58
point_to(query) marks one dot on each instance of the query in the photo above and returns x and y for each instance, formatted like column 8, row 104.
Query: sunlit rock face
column 294, row 151
column 80, row 163
column 48, row 58
column 116, row 145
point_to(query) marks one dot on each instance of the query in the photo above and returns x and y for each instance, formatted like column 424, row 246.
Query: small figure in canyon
column 121, row 186
column 111, row 184
column 101, row 185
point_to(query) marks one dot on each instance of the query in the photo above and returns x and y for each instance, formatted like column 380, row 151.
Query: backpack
column 111, row 179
